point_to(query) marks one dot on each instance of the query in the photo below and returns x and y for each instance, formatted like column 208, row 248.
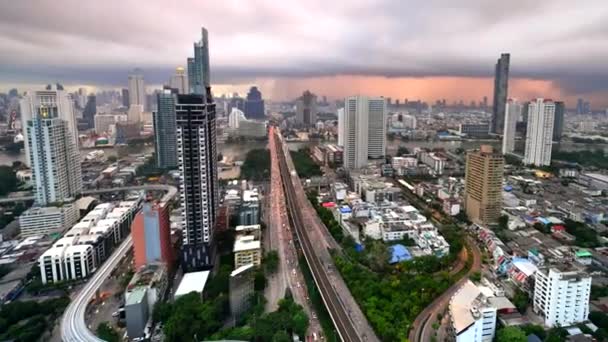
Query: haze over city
column 415, row 49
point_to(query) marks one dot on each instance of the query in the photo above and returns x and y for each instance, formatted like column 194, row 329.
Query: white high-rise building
column 364, row 130
column 561, row 297
column 62, row 105
column 137, row 90
column 179, row 81
column 539, row 135
column 135, row 113
column 52, row 149
column 512, row 113
column 235, row 117
column 341, row 127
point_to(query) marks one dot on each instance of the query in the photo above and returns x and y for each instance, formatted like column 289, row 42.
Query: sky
column 417, row 49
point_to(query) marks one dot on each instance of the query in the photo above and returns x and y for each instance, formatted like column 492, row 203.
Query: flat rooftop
column 192, row 282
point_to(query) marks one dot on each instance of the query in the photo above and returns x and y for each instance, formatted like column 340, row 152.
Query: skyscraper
column 197, row 161
column 165, row 141
column 501, row 85
column 539, row 136
column 53, row 152
column 512, row 113
column 306, row 109
column 254, row 104
column 580, row 107
column 89, row 111
column 341, row 127
column 558, row 122
column 125, row 97
column 364, row 130
column 483, row 185
column 179, row 81
column 64, row 106
column 137, row 90
column 199, row 79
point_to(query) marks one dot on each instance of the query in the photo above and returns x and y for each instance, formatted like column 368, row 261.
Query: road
column 346, row 316
column 171, row 192
column 280, row 238
column 73, row 326
column 422, row 327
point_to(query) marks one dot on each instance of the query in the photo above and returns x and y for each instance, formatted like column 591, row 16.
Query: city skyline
column 293, row 50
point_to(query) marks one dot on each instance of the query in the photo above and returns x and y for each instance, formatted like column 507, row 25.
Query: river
column 237, row 151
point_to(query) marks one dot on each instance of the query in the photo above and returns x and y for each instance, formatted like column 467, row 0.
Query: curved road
column 422, row 330
column 73, row 325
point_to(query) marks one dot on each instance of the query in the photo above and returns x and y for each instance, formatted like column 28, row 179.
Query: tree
column 521, row 300
column 112, row 159
column 537, row 330
column 511, row 334
column 281, row 336
column 259, row 281
column 475, row 276
column 107, row 333
column 402, row 150
column 556, row 335
column 8, row 180
column 503, row 222
column 271, row 261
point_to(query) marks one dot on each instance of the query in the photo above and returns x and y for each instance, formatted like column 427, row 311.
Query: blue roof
column 508, row 188
column 345, row 210
column 399, row 253
column 543, row 220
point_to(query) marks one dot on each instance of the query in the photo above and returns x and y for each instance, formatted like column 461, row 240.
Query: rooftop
column 246, row 243
column 192, row 282
column 135, row 296
column 241, row 270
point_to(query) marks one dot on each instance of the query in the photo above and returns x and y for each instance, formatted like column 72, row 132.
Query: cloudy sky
column 413, row 49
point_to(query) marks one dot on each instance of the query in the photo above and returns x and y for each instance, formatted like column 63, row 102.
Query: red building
column 151, row 232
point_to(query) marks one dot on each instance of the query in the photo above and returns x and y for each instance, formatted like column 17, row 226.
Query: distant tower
column 558, row 123
column 199, row 79
column 512, row 113
column 165, row 141
column 179, row 81
column 125, row 97
column 539, row 137
column 137, row 90
column 254, row 104
column 306, row 109
column 364, row 130
column 53, row 151
column 501, row 85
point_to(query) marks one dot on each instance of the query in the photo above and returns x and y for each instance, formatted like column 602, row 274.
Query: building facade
column 472, row 318
column 165, row 141
column 241, row 289
column 247, row 251
column 48, row 220
column 501, row 85
column 179, row 81
column 151, row 233
column 254, row 104
column 137, row 90
column 512, row 114
column 562, row 297
column 306, row 109
column 364, row 130
column 483, row 188
column 539, row 136
column 558, row 122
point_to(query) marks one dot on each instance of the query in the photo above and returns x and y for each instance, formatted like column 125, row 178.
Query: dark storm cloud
column 95, row 42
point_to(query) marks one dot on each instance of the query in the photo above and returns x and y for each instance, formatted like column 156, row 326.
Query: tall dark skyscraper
column 197, row 161
column 165, row 141
column 558, row 120
column 580, row 107
column 254, row 104
column 125, row 97
column 88, row 114
column 306, row 109
column 501, row 89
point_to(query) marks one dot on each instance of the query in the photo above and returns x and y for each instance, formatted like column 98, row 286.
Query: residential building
column 249, row 210
column 179, row 81
column 241, row 290
column 53, row 153
column 306, row 109
column 433, row 160
column 66, row 260
column 558, row 122
column 364, row 130
column 48, row 220
column 539, row 136
column 501, row 85
column 254, row 104
column 512, row 114
column 561, row 296
column 483, row 188
column 151, row 234
column 247, row 250
column 235, row 117
column 341, row 131
column 125, row 97
column 165, row 140
column 135, row 113
column 472, row 315
column 239, row 125
column 137, row 90
column 90, row 111
column 199, row 77
column 58, row 103
column 103, row 122
column 136, row 312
